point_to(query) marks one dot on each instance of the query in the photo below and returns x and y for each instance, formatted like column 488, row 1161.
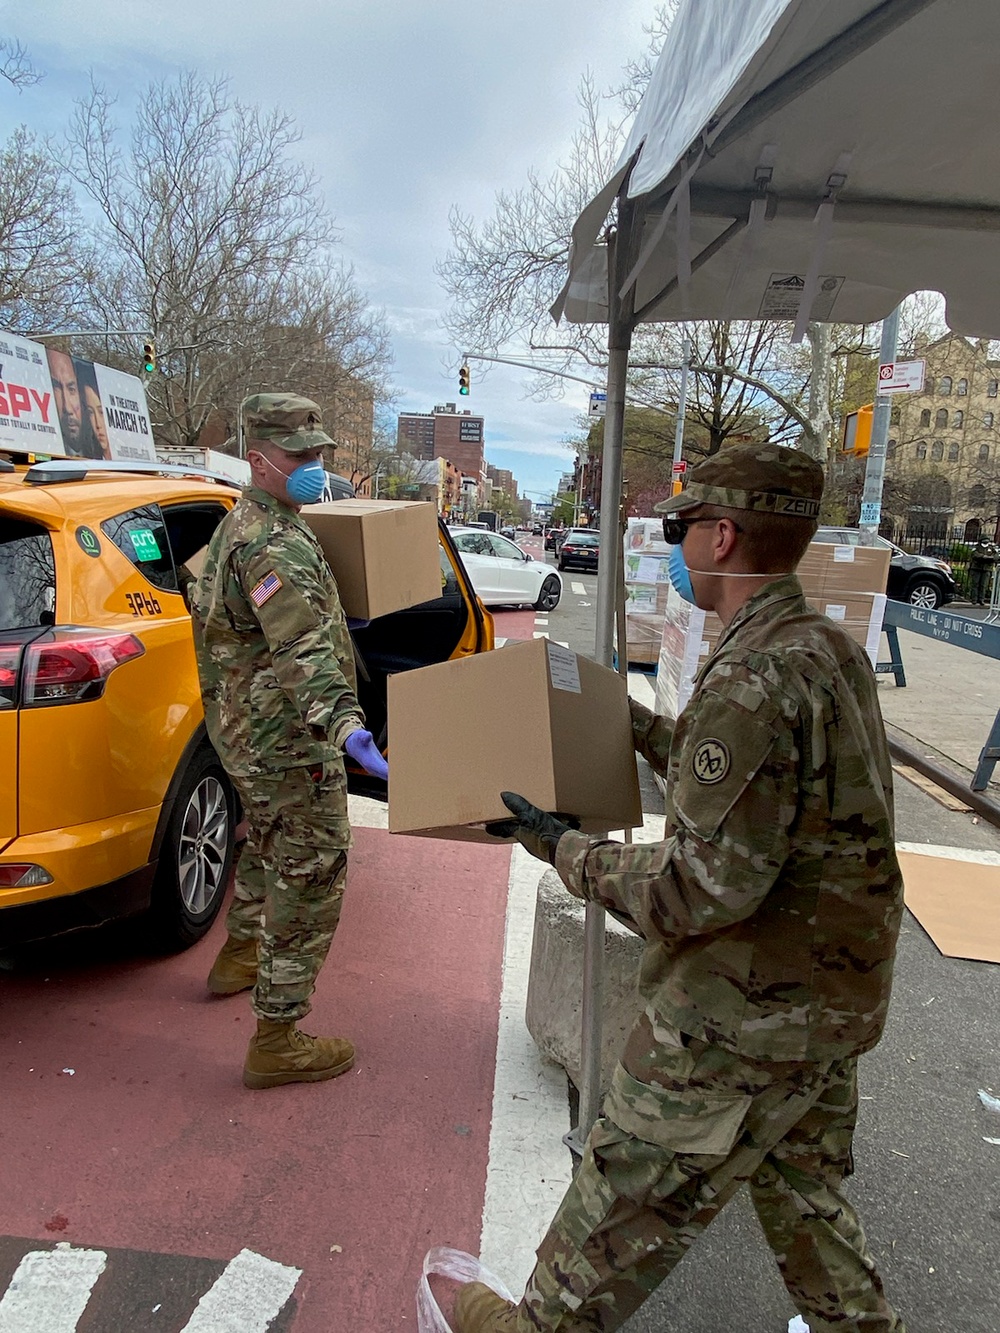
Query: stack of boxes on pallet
column 646, row 589
column 845, row 583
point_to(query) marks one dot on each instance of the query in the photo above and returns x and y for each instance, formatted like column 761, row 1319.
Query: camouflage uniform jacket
column 772, row 908
column 275, row 657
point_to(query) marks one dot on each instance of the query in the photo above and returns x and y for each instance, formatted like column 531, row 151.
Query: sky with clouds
column 406, row 107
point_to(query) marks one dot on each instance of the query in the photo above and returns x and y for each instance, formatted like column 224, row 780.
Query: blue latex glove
column 360, row 745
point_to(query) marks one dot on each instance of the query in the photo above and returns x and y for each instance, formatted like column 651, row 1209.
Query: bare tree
column 16, row 66
column 503, row 274
column 212, row 238
column 44, row 268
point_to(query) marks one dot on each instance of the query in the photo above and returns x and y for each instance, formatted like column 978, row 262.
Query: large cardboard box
column 383, row 553
column 533, row 718
column 828, row 571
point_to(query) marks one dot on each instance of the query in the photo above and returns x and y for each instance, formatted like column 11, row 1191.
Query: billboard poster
column 57, row 404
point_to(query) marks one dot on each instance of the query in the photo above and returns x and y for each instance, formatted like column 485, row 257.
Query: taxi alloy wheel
column 204, row 846
column 196, row 855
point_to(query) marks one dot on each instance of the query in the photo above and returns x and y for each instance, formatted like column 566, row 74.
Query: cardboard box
column 383, row 553
column 829, row 571
column 533, row 718
column 689, row 638
column 643, row 635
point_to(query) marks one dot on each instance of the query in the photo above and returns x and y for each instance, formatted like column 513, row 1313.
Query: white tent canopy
column 799, row 159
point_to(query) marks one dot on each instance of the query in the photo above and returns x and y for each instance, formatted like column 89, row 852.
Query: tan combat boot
column 235, row 968
column 279, row 1053
column 478, row 1309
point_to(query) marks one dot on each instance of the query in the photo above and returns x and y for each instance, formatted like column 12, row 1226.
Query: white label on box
column 703, row 650
column 875, row 627
column 652, row 569
column 834, row 611
column 640, row 600
column 564, row 670
column 843, row 555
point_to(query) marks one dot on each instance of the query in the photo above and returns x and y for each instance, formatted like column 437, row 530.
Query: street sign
column 598, row 402
column 901, row 376
column 680, row 467
column 871, row 514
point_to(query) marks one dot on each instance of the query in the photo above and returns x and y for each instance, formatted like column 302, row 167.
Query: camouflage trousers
column 684, row 1125
column 290, row 881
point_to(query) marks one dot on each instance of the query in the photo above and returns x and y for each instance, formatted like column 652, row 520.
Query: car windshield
column 583, row 539
column 27, row 575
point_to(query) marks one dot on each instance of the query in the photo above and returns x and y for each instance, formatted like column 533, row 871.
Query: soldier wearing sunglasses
column 770, row 913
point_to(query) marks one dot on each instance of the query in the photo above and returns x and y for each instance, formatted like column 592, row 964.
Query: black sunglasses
column 675, row 529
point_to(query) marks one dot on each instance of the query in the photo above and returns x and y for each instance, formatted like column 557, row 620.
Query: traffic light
column 858, row 431
column 149, row 358
column 463, row 381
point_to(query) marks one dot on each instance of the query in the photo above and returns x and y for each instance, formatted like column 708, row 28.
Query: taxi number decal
column 141, row 604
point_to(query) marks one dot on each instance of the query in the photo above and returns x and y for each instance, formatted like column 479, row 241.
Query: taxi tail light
column 10, row 656
column 23, row 876
column 73, row 666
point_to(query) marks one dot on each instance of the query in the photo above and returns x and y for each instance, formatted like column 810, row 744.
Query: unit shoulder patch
column 711, row 761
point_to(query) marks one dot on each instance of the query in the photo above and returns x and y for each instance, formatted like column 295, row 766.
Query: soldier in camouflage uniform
column 770, row 915
column 276, row 665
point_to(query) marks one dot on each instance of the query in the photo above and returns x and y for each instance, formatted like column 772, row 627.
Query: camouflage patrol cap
column 768, row 478
column 293, row 423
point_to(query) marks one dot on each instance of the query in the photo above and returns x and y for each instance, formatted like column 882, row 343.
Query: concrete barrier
column 555, row 982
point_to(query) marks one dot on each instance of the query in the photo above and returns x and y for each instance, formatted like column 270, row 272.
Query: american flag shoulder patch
column 266, row 588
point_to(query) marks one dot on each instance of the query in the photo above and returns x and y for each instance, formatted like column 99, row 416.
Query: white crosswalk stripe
column 578, row 587
column 59, row 1291
column 50, row 1290
column 246, row 1298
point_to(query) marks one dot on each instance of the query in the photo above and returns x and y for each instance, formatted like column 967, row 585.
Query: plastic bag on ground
column 460, row 1267
column 798, row 1325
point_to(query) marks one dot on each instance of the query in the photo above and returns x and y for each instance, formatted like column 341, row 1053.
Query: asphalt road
column 927, row 1184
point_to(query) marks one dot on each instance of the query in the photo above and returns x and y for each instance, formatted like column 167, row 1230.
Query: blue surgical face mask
column 306, row 484
column 680, row 575
column 677, row 572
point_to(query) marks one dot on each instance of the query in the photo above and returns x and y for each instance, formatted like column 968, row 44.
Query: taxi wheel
column 196, row 856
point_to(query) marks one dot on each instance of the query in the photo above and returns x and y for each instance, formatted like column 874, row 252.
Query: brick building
column 943, row 455
column 446, row 433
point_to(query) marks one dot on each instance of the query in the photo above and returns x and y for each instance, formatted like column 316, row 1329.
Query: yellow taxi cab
column 112, row 799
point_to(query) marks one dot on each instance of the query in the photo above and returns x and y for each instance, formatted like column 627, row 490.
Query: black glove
column 536, row 831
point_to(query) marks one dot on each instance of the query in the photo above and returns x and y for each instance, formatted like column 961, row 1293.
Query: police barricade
column 946, row 626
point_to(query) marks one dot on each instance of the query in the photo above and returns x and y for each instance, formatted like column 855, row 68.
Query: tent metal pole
column 622, row 246
column 682, row 407
column 871, row 496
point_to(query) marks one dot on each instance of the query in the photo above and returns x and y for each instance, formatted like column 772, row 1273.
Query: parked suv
column 113, row 800
column 918, row 579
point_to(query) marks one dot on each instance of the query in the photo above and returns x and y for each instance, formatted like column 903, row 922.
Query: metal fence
column 971, row 563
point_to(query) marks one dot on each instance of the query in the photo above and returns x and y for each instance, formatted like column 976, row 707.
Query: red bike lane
column 126, row 1126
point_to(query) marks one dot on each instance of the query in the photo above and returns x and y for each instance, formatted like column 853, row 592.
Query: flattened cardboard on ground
column 383, row 553
column 956, row 902
column 533, row 718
